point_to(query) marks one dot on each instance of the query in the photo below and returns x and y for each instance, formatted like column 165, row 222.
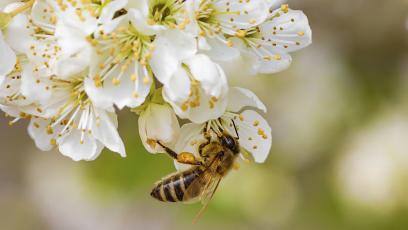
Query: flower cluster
column 67, row 66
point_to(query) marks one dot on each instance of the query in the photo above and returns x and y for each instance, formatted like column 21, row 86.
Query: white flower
column 124, row 61
column 68, row 117
column 254, row 133
column 214, row 18
column 158, row 123
column 38, row 36
column 153, row 16
column 74, row 23
column 197, row 90
column 270, row 43
column 213, row 21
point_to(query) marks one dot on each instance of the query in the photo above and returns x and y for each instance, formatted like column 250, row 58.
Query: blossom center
column 164, row 12
column 122, row 49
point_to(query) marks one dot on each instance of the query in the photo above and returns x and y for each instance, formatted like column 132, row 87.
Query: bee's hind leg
column 183, row 158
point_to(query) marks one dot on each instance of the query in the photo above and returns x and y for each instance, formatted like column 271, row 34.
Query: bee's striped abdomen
column 172, row 188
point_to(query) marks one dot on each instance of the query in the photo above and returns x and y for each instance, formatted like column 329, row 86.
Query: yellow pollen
column 240, row 33
column 241, row 117
column 151, row 143
column 53, row 142
column 146, row 80
column 230, row 43
column 98, row 81
column 285, row 8
column 49, row 130
column 115, row 81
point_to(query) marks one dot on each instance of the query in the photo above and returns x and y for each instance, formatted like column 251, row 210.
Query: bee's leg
column 201, row 147
column 183, row 158
column 235, row 127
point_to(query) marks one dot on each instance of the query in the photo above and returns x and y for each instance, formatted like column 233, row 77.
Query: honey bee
column 199, row 183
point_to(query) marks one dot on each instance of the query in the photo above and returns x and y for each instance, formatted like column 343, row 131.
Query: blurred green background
column 339, row 158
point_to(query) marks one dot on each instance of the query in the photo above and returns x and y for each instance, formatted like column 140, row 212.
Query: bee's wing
column 201, row 186
column 207, row 195
column 204, row 187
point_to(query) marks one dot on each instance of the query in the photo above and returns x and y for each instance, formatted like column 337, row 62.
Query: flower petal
column 108, row 11
column 171, row 47
column 255, row 134
column 7, row 57
column 238, row 98
column 123, row 92
column 278, row 63
column 79, row 147
column 37, row 129
column 34, row 87
column 288, row 31
column 219, row 51
column 198, row 101
column 248, row 13
column 158, row 123
column 43, row 16
column 140, row 21
column 17, row 35
column 104, row 129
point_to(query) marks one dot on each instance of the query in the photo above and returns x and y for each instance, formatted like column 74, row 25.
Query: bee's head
column 230, row 142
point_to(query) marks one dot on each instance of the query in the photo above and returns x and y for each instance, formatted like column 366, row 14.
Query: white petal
column 158, row 123
column 208, row 100
column 177, row 88
column 290, row 31
column 75, row 50
column 105, row 131
column 17, row 35
column 140, row 21
column 110, row 9
column 71, row 146
column 255, row 134
column 68, row 64
column 273, row 4
column 34, row 87
column 238, row 98
column 128, row 93
column 86, row 23
column 249, row 13
column 219, row 51
column 37, row 129
column 171, row 47
column 210, row 74
column 278, row 63
column 7, row 57
column 43, row 16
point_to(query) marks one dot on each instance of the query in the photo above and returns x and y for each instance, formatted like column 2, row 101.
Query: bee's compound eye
column 230, row 143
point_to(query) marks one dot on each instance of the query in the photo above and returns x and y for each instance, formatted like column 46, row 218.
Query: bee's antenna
column 235, row 127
